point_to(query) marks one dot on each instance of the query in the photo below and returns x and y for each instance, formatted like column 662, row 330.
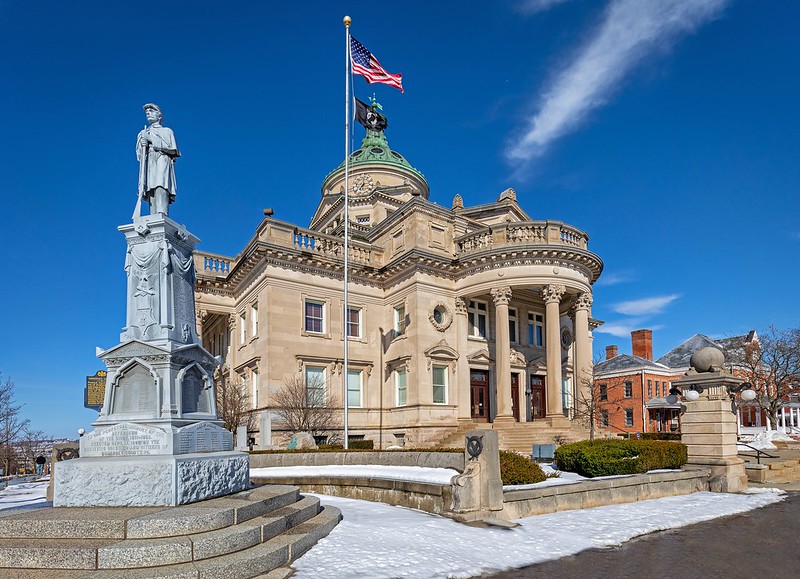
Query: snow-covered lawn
column 378, row 541
column 24, row 495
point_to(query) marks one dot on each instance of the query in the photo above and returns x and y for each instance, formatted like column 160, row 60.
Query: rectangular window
column 512, row 325
column 242, row 329
column 400, row 319
column 315, row 385
column 604, row 418
column 354, row 389
column 254, row 396
column 603, row 391
column 315, row 317
column 254, row 319
column 650, row 388
column 440, row 384
column 658, row 388
column 535, row 329
column 401, row 389
column 243, row 378
column 477, row 316
column 628, row 389
column 629, row 417
column 353, row 322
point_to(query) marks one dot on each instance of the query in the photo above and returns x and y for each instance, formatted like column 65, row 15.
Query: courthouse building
column 458, row 316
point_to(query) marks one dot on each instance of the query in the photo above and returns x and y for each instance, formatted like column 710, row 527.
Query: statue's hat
column 152, row 106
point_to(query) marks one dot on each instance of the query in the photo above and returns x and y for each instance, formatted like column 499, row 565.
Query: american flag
column 365, row 64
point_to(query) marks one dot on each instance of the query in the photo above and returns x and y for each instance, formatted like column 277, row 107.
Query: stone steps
column 518, row 436
column 244, row 535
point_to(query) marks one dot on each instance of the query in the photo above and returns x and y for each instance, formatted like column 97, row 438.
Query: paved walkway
column 758, row 543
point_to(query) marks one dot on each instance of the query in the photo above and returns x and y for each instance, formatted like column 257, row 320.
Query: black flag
column 369, row 117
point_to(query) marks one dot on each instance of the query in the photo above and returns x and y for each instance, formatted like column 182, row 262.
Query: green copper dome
column 375, row 149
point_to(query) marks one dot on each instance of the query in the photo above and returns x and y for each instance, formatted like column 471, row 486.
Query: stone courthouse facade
column 457, row 316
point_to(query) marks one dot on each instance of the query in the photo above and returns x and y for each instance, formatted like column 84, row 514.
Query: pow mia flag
column 369, row 117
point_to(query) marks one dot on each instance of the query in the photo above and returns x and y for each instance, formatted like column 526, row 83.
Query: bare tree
column 11, row 423
column 308, row 406
column 32, row 443
column 233, row 404
column 590, row 401
column 772, row 366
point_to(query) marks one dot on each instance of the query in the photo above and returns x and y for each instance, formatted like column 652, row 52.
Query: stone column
column 552, row 296
column 501, row 297
column 583, row 345
column 708, row 429
column 462, row 366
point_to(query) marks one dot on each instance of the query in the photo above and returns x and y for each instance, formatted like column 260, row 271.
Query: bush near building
column 516, row 469
column 593, row 458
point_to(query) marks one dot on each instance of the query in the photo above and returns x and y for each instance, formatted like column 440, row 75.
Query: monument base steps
column 253, row 533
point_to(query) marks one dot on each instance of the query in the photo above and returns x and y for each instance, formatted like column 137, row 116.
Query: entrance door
column 538, row 409
column 515, row 396
column 479, row 387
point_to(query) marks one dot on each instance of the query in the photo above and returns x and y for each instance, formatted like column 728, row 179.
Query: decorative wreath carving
column 440, row 316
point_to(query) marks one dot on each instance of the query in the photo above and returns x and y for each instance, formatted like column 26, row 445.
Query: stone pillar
column 708, row 429
column 462, row 366
column 501, row 297
column 477, row 493
column 552, row 296
column 583, row 345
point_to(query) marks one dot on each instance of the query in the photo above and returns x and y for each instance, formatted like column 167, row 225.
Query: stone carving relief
column 583, row 301
column 501, row 295
column 440, row 316
column 461, row 307
column 553, row 293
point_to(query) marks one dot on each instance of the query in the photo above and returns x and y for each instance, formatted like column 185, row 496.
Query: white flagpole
column 346, row 378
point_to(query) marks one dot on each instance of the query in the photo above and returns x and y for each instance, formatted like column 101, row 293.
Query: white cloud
column 630, row 32
column 645, row 306
column 616, row 278
column 620, row 329
column 534, row 6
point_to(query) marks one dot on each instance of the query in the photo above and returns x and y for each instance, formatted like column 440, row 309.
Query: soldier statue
column 156, row 150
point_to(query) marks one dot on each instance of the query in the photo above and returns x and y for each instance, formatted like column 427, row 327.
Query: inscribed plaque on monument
column 194, row 395
column 95, row 390
column 136, row 392
column 125, row 439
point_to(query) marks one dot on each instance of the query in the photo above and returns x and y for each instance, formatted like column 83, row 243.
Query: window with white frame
column 353, row 322
column 254, row 395
column 401, row 387
column 254, row 319
column 354, row 385
column 512, row 325
column 535, row 329
column 477, row 317
column 315, row 316
column 439, row 376
column 400, row 319
column 315, row 385
column 242, row 328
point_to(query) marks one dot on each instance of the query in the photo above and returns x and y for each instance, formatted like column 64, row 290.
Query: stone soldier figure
column 156, row 150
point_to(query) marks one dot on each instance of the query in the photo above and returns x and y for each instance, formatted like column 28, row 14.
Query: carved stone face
column 153, row 116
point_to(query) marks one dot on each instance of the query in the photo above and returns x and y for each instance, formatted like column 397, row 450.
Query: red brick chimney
column 611, row 352
column 642, row 343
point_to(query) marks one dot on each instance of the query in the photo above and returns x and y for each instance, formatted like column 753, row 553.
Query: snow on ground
column 420, row 474
column 24, row 495
column 379, row 541
column 763, row 440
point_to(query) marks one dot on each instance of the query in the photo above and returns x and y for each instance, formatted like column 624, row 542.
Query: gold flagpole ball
column 347, row 20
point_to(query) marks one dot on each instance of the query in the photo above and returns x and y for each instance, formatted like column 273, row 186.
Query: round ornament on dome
column 707, row 360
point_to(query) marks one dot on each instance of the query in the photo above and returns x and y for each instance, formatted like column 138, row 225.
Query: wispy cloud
column 645, row 306
column 534, row 6
column 630, row 32
column 617, row 277
column 623, row 329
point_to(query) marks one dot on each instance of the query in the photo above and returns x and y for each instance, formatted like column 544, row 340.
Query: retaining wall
column 454, row 460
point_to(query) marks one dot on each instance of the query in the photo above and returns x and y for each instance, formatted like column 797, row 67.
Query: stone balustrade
column 520, row 234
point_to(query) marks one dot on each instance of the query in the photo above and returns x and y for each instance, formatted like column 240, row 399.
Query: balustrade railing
column 522, row 233
column 328, row 246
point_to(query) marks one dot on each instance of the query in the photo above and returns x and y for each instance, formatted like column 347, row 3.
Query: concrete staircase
column 253, row 533
column 520, row 436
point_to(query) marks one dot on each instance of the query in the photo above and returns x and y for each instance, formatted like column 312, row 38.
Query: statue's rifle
column 137, row 212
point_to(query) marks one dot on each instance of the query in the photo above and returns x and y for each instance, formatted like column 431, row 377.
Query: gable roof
column 627, row 362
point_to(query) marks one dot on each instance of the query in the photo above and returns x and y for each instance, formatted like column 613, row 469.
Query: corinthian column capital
column 552, row 293
column 501, row 295
column 583, row 301
column 461, row 307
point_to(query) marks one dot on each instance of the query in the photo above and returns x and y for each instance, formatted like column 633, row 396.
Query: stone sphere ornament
column 707, row 359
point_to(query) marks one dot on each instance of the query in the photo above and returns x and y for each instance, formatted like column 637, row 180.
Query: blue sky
column 666, row 129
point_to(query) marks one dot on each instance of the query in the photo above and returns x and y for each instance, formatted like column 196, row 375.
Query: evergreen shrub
column 607, row 457
column 516, row 469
